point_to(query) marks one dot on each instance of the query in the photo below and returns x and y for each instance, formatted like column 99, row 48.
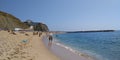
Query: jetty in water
column 91, row 31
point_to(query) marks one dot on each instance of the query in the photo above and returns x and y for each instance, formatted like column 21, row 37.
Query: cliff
column 8, row 21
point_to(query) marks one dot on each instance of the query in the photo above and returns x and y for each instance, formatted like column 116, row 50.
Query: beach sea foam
column 97, row 45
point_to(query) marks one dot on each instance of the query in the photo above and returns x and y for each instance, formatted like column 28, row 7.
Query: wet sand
column 23, row 46
column 65, row 54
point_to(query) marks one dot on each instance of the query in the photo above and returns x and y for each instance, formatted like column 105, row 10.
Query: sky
column 67, row 15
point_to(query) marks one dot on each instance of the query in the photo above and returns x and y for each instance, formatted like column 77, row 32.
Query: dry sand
column 23, row 46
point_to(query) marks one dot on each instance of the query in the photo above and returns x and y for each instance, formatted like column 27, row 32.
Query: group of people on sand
column 49, row 34
column 37, row 33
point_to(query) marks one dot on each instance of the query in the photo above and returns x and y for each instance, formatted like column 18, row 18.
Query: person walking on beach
column 50, row 37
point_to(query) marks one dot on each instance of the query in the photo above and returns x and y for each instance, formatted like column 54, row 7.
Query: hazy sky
column 67, row 15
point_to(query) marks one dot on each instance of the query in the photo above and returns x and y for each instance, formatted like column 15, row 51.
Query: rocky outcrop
column 37, row 26
column 41, row 27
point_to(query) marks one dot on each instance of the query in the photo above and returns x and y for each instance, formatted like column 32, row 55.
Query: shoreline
column 66, row 53
column 36, row 48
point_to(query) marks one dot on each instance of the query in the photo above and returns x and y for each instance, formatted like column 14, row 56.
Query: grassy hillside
column 8, row 21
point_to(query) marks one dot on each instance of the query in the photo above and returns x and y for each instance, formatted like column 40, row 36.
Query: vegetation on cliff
column 8, row 21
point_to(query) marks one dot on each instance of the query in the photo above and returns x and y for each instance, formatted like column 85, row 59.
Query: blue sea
column 102, row 45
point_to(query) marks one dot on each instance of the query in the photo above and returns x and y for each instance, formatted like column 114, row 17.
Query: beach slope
column 23, row 46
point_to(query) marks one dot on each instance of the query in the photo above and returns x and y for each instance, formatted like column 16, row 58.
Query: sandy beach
column 23, row 46
column 27, row 46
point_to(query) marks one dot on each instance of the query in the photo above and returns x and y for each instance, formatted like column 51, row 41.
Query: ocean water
column 101, row 45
